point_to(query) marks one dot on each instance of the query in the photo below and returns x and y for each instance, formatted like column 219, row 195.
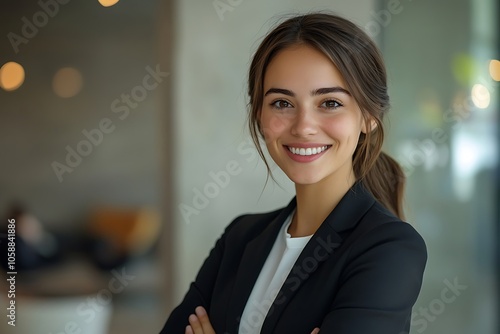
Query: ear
column 368, row 125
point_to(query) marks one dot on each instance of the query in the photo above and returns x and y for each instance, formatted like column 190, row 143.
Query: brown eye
column 331, row 104
column 281, row 104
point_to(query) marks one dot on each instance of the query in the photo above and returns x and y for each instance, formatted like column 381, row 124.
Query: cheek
column 272, row 126
column 345, row 130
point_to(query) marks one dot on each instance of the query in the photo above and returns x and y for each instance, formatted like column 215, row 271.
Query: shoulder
column 387, row 225
column 389, row 239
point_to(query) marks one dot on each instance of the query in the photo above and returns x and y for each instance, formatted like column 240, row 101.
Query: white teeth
column 307, row 151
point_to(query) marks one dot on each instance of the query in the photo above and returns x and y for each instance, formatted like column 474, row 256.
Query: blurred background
column 124, row 151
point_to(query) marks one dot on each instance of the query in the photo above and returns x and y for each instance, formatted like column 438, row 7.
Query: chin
column 304, row 179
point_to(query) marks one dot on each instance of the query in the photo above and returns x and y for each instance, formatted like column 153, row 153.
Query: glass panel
column 443, row 129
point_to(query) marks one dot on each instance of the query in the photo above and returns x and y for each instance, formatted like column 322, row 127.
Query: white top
column 280, row 261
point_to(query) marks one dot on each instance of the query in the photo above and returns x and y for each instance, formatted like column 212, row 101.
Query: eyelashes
column 280, row 104
column 329, row 104
column 332, row 104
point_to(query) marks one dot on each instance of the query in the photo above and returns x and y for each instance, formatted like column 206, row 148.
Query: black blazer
column 360, row 273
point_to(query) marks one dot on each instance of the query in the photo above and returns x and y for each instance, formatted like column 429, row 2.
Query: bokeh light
column 480, row 96
column 463, row 68
column 495, row 69
column 108, row 3
column 11, row 76
column 67, row 82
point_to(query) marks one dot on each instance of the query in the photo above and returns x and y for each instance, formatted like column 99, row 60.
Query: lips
column 306, row 152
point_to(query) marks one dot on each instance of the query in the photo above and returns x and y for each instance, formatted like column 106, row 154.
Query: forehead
column 302, row 67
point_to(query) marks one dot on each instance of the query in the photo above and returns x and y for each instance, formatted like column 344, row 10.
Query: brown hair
column 360, row 62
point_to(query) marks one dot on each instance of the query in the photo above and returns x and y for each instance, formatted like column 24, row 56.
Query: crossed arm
column 199, row 323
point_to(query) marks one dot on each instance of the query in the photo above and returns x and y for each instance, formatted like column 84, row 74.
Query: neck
column 315, row 202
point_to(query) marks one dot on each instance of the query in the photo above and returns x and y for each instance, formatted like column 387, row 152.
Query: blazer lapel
column 327, row 238
column 252, row 261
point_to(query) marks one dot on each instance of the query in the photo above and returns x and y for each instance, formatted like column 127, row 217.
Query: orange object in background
column 130, row 231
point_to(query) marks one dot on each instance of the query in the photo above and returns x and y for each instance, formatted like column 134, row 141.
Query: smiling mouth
column 308, row 151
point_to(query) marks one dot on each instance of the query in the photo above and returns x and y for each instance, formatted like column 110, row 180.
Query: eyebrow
column 315, row 92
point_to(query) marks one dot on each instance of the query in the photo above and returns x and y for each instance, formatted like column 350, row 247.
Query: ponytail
column 386, row 181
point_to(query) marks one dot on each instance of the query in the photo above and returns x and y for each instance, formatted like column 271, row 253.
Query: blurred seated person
column 35, row 247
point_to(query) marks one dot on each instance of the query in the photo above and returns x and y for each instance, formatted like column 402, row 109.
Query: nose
column 304, row 124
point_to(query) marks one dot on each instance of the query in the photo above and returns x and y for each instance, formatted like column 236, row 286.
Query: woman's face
column 311, row 123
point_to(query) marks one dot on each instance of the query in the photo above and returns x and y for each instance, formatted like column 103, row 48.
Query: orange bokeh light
column 108, row 3
column 495, row 69
column 11, row 76
column 67, row 82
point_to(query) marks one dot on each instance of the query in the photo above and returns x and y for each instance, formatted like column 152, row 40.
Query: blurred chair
column 120, row 234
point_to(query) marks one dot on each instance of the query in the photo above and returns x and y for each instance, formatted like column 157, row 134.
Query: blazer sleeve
column 380, row 284
column 200, row 291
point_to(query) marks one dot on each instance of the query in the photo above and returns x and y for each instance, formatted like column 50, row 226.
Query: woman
column 338, row 259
